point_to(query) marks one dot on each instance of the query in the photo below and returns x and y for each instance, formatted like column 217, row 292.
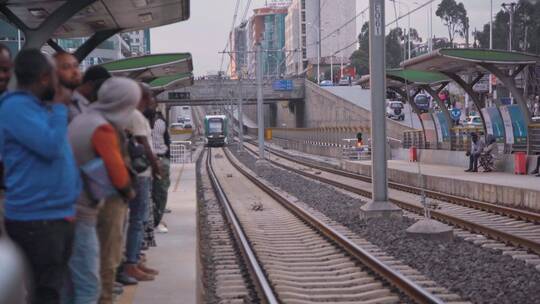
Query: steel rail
column 467, row 202
column 395, row 278
column 456, row 221
column 265, row 291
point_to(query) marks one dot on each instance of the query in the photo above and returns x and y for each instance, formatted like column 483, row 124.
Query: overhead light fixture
column 146, row 17
column 140, row 3
column 39, row 12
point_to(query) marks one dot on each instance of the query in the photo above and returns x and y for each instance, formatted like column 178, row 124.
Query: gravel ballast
column 477, row 274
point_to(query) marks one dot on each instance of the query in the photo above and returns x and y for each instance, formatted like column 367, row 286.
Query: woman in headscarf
column 94, row 134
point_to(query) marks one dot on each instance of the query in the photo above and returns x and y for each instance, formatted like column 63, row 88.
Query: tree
column 396, row 41
column 526, row 35
column 454, row 17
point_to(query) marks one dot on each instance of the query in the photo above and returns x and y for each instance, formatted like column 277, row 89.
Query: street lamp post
column 511, row 9
column 379, row 206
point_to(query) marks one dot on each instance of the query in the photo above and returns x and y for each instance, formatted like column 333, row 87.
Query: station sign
column 283, row 85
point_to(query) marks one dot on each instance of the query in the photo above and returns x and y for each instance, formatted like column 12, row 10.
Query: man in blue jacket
column 42, row 179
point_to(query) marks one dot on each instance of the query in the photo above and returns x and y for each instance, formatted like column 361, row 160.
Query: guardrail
column 181, row 152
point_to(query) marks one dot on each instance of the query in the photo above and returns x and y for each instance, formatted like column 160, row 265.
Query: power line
column 232, row 29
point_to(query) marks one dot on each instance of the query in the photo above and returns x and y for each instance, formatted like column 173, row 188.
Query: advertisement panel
column 444, row 125
column 508, row 129
column 497, row 124
column 438, row 127
column 518, row 124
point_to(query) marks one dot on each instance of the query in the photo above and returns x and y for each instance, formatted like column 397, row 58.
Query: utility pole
column 260, row 103
column 240, row 116
column 490, row 43
column 379, row 205
column 511, row 9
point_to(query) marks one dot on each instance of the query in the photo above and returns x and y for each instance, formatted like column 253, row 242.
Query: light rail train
column 215, row 130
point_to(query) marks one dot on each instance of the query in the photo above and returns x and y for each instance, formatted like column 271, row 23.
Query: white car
column 474, row 121
column 395, row 110
column 326, row 83
column 344, row 81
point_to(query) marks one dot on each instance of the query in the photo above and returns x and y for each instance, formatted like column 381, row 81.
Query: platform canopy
column 149, row 67
column 171, row 82
column 456, row 63
column 398, row 78
column 120, row 15
column 42, row 21
column 467, row 60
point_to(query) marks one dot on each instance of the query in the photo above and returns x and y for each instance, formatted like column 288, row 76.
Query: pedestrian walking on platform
column 160, row 186
column 477, row 146
column 42, row 178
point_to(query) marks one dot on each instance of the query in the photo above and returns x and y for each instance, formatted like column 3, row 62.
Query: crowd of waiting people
column 86, row 175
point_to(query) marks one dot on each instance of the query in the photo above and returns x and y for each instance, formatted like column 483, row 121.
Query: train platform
column 175, row 255
column 520, row 191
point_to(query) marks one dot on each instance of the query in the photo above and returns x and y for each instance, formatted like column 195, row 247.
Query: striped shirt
column 158, row 137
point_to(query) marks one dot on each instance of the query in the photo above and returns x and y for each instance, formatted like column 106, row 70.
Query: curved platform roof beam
column 453, row 62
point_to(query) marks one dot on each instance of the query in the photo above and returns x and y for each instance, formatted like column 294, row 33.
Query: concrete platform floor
column 175, row 254
column 529, row 182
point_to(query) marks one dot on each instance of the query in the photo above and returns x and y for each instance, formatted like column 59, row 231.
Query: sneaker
column 161, row 228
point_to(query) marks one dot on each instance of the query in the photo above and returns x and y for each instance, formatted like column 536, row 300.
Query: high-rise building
column 111, row 49
column 267, row 27
column 337, row 34
column 239, row 46
column 138, row 41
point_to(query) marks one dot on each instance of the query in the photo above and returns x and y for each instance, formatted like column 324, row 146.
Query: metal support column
column 379, row 205
column 260, row 103
column 240, row 116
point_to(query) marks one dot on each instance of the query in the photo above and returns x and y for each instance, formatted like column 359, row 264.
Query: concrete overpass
column 222, row 91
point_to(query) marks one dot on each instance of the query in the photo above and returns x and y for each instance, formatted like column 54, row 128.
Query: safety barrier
column 181, row 152
column 534, row 138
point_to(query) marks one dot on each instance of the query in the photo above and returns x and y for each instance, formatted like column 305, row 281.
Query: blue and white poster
column 518, row 124
column 444, row 133
column 494, row 123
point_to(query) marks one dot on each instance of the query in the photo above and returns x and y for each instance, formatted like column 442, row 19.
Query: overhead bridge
column 223, row 91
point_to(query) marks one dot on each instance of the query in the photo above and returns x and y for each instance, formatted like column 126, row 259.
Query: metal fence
column 181, row 152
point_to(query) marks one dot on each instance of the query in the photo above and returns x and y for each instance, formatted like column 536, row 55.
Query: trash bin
column 413, row 156
column 520, row 163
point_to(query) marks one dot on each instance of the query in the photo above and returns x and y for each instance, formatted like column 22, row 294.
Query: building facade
column 238, row 40
column 337, row 32
column 267, row 27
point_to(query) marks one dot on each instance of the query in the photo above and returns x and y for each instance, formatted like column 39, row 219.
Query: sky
column 205, row 34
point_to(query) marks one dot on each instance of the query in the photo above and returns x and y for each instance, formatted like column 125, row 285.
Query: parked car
column 394, row 110
column 344, row 81
column 474, row 121
column 326, row 83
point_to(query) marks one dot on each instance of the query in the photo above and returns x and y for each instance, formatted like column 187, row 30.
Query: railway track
column 510, row 226
column 294, row 257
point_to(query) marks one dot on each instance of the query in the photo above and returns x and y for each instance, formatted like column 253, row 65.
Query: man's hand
column 62, row 96
column 156, row 170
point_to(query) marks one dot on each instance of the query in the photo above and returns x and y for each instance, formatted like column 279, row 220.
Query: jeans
column 83, row 284
column 110, row 229
column 473, row 161
column 138, row 215
column 160, row 190
column 47, row 247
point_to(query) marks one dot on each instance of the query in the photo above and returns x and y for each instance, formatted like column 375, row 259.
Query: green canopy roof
column 463, row 60
column 417, row 77
column 398, row 77
column 145, row 62
column 172, row 81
